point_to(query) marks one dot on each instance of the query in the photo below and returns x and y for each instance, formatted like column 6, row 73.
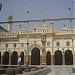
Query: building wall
column 52, row 37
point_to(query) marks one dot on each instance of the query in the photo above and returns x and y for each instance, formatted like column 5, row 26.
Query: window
column 22, row 44
column 14, row 45
column 57, row 44
column 6, row 45
column 48, row 43
column 67, row 43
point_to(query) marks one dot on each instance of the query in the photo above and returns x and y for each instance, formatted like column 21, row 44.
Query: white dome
column 44, row 26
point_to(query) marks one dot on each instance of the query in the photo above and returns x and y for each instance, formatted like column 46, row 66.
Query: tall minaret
column 10, row 23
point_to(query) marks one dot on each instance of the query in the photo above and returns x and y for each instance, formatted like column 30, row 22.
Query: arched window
column 48, row 43
column 22, row 44
column 57, row 44
column 67, row 43
column 6, row 45
column 14, row 45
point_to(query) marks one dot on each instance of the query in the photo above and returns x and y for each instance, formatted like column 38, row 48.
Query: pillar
column 10, row 23
column 43, row 40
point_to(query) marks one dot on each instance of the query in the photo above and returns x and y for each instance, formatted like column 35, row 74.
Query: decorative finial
column 19, row 26
column 64, row 25
column 69, row 8
column 44, row 20
column 10, row 15
column 27, row 11
column 51, row 22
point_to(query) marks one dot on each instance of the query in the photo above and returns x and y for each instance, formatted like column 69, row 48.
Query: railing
column 7, row 35
column 41, row 71
column 32, row 31
column 36, row 31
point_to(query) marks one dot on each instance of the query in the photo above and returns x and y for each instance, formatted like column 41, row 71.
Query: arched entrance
column 5, row 58
column 68, row 57
column 0, row 57
column 14, row 58
column 48, row 58
column 35, row 56
column 22, row 57
column 58, row 57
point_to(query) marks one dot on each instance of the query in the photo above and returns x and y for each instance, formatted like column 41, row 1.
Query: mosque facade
column 37, row 46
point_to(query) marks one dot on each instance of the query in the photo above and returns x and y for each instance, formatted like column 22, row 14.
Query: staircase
column 43, row 60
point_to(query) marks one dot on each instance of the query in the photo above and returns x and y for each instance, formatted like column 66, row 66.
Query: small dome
column 44, row 26
column 64, row 27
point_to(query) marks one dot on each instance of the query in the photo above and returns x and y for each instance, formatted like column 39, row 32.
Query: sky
column 38, row 9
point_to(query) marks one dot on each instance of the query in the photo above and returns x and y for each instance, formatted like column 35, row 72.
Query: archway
column 58, row 57
column 5, row 58
column 14, row 58
column 0, row 57
column 22, row 57
column 48, row 58
column 68, row 57
column 35, row 56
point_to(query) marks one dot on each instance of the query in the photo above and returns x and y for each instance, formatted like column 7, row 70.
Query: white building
column 46, row 46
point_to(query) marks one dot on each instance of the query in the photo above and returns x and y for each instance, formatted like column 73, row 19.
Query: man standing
column 19, row 60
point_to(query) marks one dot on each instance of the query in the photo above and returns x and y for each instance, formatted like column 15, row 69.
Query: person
column 19, row 60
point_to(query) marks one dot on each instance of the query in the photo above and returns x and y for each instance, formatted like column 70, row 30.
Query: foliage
column 73, row 70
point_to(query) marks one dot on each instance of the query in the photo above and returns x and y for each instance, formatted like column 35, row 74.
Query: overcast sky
column 38, row 9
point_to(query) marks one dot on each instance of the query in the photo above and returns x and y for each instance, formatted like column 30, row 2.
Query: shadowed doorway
column 68, row 57
column 48, row 58
column 35, row 56
column 22, row 57
column 0, row 57
column 58, row 57
column 14, row 58
column 5, row 59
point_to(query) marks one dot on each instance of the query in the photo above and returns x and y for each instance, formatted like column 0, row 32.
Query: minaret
column 10, row 23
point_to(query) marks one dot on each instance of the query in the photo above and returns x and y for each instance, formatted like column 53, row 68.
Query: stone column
column 63, row 56
column 2, row 54
column 52, row 44
column 10, row 23
column 43, row 40
column 52, row 49
column 1, row 58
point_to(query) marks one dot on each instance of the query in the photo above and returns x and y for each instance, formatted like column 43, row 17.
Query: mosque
column 43, row 46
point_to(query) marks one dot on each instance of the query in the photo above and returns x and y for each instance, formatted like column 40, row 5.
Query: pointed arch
column 68, row 57
column 58, row 57
column 33, row 46
column 0, row 57
column 14, row 58
column 5, row 58
column 48, row 58
column 35, row 56
column 22, row 57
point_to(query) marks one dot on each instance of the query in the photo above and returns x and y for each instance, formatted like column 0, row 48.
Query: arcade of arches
column 35, row 58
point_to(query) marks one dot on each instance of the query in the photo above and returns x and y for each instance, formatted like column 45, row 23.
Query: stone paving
column 61, row 70
column 57, row 70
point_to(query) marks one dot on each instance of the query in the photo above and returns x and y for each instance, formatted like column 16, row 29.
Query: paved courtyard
column 61, row 70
